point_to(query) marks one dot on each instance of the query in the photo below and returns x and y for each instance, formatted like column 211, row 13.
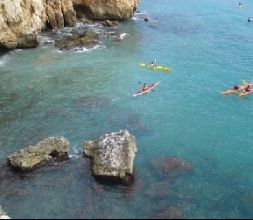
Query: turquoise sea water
column 82, row 95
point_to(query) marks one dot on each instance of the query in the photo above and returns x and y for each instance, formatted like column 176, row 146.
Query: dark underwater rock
column 171, row 166
column 169, row 213
column 91, row 101
column 158, row 190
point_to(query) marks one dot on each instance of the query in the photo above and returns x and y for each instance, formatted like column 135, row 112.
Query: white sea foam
column 18, row 50
column 77, row 153
column 82, row 49
column 3, row 60
column 87, row 50
column 123, row 36
column 47, row 40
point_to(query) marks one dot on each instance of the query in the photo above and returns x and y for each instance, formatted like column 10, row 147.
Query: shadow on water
column 3, row 52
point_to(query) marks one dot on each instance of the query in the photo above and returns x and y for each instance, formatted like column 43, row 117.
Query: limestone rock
column 45, row 151
column 107, row 10
column 60, row 13
column 113, row 156
column 21, row 22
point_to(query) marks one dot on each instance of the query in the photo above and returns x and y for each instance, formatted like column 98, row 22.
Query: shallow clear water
column 82, row 95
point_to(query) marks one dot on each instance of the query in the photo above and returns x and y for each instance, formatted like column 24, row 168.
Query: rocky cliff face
column 107, row 9
column 21, row 21
column 60, row 13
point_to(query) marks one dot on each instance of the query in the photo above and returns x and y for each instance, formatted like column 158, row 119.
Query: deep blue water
column 82, row 95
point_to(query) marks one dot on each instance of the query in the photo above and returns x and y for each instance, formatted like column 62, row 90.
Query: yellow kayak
column 154, row 67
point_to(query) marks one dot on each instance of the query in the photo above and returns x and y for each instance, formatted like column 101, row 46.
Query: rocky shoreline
column 23, row 22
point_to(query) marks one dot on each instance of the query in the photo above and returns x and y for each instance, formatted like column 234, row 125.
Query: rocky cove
column 22, row 22
column 71, row 92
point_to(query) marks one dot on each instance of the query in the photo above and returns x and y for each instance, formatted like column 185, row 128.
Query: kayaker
column 153, row 64
column 236, row 87
column 248, row 88
column 144, row 87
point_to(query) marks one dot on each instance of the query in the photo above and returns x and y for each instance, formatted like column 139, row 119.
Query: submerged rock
column 52, row 148
column 77, row 39
column 113, row 156
column 3, row 215
column 248, row 201
column 171, row 166
column 169, row 213
column 158, row 190
column 91, row 101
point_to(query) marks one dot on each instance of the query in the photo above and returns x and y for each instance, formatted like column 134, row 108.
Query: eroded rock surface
column 113, row 156
column 52, row 148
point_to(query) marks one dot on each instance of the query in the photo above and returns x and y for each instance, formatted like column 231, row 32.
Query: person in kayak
column 248, row 88
column 236, row 87
column 153, row 64
column 144, row 87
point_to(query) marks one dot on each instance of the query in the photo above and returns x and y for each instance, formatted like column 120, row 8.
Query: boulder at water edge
column 52, row 148
column 113, row 156
column 77, row 40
